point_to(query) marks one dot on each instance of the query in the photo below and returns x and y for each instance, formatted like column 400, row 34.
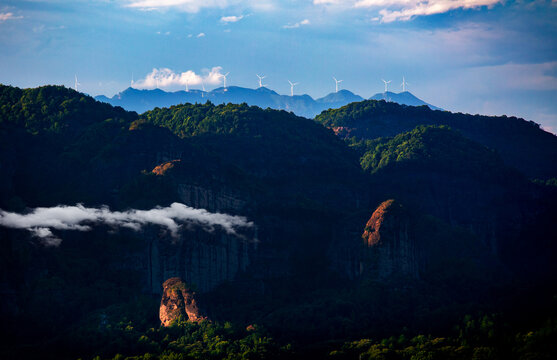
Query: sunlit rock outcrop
column 388, row 248
column 178, row 303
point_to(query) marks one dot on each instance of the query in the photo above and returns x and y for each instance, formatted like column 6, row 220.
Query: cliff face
column 200, row 197
column 178, row 302
column 204, row 260
column 388, row 248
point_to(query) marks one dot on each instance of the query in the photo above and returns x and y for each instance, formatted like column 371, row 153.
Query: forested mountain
column 414, row 222
column 522, row 144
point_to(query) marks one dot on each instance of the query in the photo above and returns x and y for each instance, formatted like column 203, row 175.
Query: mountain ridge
column 403, row 98
column 140, row 100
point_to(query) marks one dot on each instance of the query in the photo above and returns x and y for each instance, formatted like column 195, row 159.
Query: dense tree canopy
column 522, row 144
column 428, row 147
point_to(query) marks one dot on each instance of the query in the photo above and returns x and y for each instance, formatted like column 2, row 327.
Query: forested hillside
column 522, row 144
column 406, row 239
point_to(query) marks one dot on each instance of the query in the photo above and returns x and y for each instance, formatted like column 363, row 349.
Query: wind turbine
column 292, row 87
column 203, row 87
column 260, row 80
column 131, row 83
column 336, row 83
column 187, row 88
column 224, row 77
column 404, row 84
column 386, row 84
column 76, row 83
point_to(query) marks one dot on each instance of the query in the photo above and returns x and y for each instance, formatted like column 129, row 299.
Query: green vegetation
column 521, row 144
column 484, row 338
column 427, row 148
column 54, row 109
column 287, row 156
column 185, row 340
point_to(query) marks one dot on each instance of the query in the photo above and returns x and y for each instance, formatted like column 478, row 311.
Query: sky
column 490, row 57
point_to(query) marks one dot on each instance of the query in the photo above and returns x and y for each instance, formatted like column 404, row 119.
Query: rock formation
column 178, row 302
column 388, row 248
column 161, row 169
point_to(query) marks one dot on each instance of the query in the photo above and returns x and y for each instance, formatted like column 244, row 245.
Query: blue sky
column 475, row 56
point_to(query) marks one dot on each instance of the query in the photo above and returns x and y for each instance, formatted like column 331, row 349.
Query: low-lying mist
column 41, row 221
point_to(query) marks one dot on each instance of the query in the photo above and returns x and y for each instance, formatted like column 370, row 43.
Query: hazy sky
column 475, row 56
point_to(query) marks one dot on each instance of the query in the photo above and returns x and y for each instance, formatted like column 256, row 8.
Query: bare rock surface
column 178, row 302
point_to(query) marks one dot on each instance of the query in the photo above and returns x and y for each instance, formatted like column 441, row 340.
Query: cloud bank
column 403, row 10
column 167, row 78
column 41, row 221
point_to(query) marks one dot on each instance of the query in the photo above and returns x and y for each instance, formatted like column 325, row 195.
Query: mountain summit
column 303, row 105
column 403, row 98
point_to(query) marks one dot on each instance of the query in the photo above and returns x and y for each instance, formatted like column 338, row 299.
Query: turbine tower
column 404, row 84
column 260, row 80
column 386, row 84
column 292, row 87
column 203, row 87
column 187, row 88
column 224, row 80
column 131, row 84
column 76, row 83
column 336, row 83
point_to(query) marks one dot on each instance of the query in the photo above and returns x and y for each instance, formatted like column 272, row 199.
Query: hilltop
column 522, row 144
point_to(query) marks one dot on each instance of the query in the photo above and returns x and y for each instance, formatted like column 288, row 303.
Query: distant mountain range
column 302, row 105
column 405, row 98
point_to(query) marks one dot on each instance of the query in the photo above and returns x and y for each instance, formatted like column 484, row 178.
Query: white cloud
column 167, row 78
column 201, row 34
column 41, row 221
column 8, row 16
column 297, row 25
column 403, row 10
column 231, row 19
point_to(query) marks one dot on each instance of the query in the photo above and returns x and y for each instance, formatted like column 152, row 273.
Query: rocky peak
column 178, row 301
column 388, row 248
